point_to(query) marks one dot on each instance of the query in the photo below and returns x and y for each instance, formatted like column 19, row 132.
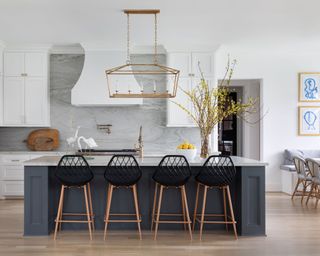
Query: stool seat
column 123, row 170
column 217, row 171
column 73, row 171
column 172, row 171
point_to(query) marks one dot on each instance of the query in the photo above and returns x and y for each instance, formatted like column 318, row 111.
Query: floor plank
column 292, row 229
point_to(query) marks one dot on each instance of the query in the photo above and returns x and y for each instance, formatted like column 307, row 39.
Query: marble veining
column 64, row 73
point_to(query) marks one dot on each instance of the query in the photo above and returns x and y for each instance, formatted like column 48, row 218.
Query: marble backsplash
column 64, row 73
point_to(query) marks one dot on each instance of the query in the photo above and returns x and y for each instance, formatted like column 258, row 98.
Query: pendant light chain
column 155, row 39
column 128, row 39
column 133, row 88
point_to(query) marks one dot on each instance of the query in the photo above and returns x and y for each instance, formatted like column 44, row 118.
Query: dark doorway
column 228, row 132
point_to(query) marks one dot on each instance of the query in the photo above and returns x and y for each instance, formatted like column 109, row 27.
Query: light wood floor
column 292, row 229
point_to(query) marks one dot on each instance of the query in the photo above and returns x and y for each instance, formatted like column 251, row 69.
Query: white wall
column 250, row 127
column 278, row 69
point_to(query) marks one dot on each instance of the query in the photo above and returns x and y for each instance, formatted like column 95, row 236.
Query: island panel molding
column 309, row 86
column 42, row 196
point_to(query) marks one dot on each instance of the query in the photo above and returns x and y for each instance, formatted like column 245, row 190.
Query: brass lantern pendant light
column 134, row 80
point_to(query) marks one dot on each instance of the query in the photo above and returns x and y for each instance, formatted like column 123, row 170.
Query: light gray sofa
column 288, row 164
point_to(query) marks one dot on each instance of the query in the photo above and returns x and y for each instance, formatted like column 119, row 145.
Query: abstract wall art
column 309, row 87
column 309, row 120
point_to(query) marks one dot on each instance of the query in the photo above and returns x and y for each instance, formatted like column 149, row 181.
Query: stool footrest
column 74, row 221
column 216, row 221
column 125, row 221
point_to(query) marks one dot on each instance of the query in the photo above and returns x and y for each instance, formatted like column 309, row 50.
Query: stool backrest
column 313, row 167
column 217, row 171
column 73, row 170
column 301, row 166
column 123, row 170
column 173, row 168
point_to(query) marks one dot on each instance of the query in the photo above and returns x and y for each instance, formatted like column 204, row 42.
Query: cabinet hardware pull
column 14, row 160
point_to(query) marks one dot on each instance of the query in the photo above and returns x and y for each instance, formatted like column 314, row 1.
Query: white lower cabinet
column 12, row 188
column 12, row 174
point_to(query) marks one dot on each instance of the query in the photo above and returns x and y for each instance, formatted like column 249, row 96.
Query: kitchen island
column 41, row 189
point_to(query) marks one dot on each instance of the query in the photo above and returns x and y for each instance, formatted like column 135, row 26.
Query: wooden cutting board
column 43, row 140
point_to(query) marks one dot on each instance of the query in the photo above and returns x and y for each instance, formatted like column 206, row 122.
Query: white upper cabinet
column 13, row 63
column 206, row 63
column 36, row 64
column 13, row 100
column 176, row 116
column 181, row 61
column 25, row 89
column 35, row 102
column 187, row 63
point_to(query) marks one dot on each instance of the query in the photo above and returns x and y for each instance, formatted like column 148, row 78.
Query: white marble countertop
column 146, row 161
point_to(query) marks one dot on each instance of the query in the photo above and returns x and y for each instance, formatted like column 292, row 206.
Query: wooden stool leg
column 59, row 212
column 225, row 207
column 136, row 205
column 109, row 198
column 231, row 212
column 90, row 206
column 187, row 210
column 158, row 213
column 295, row 189
column 154, row 205
column 87, row 210
column 203, row 210
column 195, row 207
column 183, row 210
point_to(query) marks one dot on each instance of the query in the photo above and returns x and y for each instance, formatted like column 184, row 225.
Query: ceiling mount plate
column 141, row 11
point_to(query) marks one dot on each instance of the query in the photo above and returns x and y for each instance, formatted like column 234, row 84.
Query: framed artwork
column 309, row 120
column 309, row 87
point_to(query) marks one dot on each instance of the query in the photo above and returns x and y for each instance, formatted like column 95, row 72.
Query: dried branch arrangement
column 211, row 105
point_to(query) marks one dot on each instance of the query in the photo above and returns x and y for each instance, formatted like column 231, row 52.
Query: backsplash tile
column 65, row 70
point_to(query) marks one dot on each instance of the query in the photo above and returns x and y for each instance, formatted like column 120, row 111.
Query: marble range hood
column 91, row 88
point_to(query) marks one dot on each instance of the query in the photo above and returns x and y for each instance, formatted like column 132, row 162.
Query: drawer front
column 12, row 188
column 14, row 159
column 12, row 172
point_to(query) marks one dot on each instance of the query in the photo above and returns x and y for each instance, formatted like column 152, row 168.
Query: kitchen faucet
column 139, row 146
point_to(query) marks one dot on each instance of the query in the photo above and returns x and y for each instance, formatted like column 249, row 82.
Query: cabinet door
column 176, row 117
column 180, row 61
column 35, row 101
column 13, row 101
column 206, row 60
column 35, row 64
column 13, row 63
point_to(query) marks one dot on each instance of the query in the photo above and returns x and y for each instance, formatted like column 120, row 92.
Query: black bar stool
column 173, row 172
column 73, row 171
column 122, row 171
column 217, row 172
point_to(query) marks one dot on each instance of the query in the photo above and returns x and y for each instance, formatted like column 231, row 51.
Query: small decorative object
column 188, row 150
column 309, row 121
column 72, row 140
column 211, row 105
column 119, row 79
column 309, row 87
column 90, row 142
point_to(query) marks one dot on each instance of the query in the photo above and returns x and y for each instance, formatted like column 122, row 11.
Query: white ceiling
column 197, row 22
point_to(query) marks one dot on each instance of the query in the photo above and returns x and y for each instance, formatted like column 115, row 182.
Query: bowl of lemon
column 188, row 150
